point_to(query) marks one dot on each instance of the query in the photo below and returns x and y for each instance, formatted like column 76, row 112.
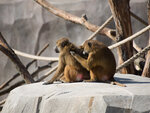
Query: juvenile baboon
column 72, row 69
column 100, row 62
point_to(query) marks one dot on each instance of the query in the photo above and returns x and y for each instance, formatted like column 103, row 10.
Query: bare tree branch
column 43, row 49
column 121, row 14
column 133, row 58
column 6, row 83
column 35, row 57
column 101, row 28
column 138, row 18
column 6, row 49
column 27, row 66
column 146, row 70
column 130, row 38
column 2, row 102
column 47, row 74
column 74, row 19
column 41, row 68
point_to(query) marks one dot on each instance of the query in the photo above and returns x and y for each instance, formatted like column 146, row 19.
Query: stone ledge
column 82, row 97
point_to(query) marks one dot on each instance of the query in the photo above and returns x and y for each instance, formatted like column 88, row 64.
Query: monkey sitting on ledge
column 100, row 62
column 72, row 69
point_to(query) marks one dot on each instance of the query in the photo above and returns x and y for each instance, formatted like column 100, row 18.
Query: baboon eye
column 64, row 44
column 89, row 44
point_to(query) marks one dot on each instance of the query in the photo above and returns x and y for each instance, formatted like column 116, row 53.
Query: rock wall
column 28, row 27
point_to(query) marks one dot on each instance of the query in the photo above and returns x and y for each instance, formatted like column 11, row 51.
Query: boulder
column 82, row 97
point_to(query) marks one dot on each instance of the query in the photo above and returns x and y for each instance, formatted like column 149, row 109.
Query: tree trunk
column 146, row 71
column 5, row 48
column 121, row 13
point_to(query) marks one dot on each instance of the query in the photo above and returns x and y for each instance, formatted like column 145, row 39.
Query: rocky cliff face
column 27, row 27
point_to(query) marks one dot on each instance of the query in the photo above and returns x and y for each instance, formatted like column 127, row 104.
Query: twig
column 133, row 58
column 47, row 74
column 30, row 63
column 41, row 68
column 43, row 49
column 15, row 76
column 8, row 81
column 102, row 27
column 138, row 18
column 73, row 18
column 38, row 54
column 11, row 87
column 2, row 102
column 130, row 38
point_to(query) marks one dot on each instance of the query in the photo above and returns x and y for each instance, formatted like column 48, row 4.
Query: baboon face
column 61, row 44
column 92, row 45
column 87, row 46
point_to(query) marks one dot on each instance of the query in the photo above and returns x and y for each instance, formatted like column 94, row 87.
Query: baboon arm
column 82, row 61
column 91, row 61
column 58, row 73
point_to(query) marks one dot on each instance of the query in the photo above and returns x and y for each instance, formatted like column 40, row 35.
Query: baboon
column 100, row 62
column 72, row 69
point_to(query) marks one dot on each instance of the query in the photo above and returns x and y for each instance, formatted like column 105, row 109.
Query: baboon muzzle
column 56, row 49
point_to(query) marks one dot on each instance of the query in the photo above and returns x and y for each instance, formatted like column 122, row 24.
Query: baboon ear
column 89, row 44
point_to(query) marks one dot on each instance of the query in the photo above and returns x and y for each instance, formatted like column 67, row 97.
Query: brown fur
column 73, row 71
column 100, row 62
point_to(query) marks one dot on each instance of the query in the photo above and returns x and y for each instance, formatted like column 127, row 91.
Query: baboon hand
column 47, row 83
column 72, row 53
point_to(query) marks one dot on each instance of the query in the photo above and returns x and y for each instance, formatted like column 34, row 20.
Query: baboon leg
column 67, row 74
column 92, row 78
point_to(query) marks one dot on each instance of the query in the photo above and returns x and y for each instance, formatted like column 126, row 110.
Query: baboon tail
column 114, row 82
